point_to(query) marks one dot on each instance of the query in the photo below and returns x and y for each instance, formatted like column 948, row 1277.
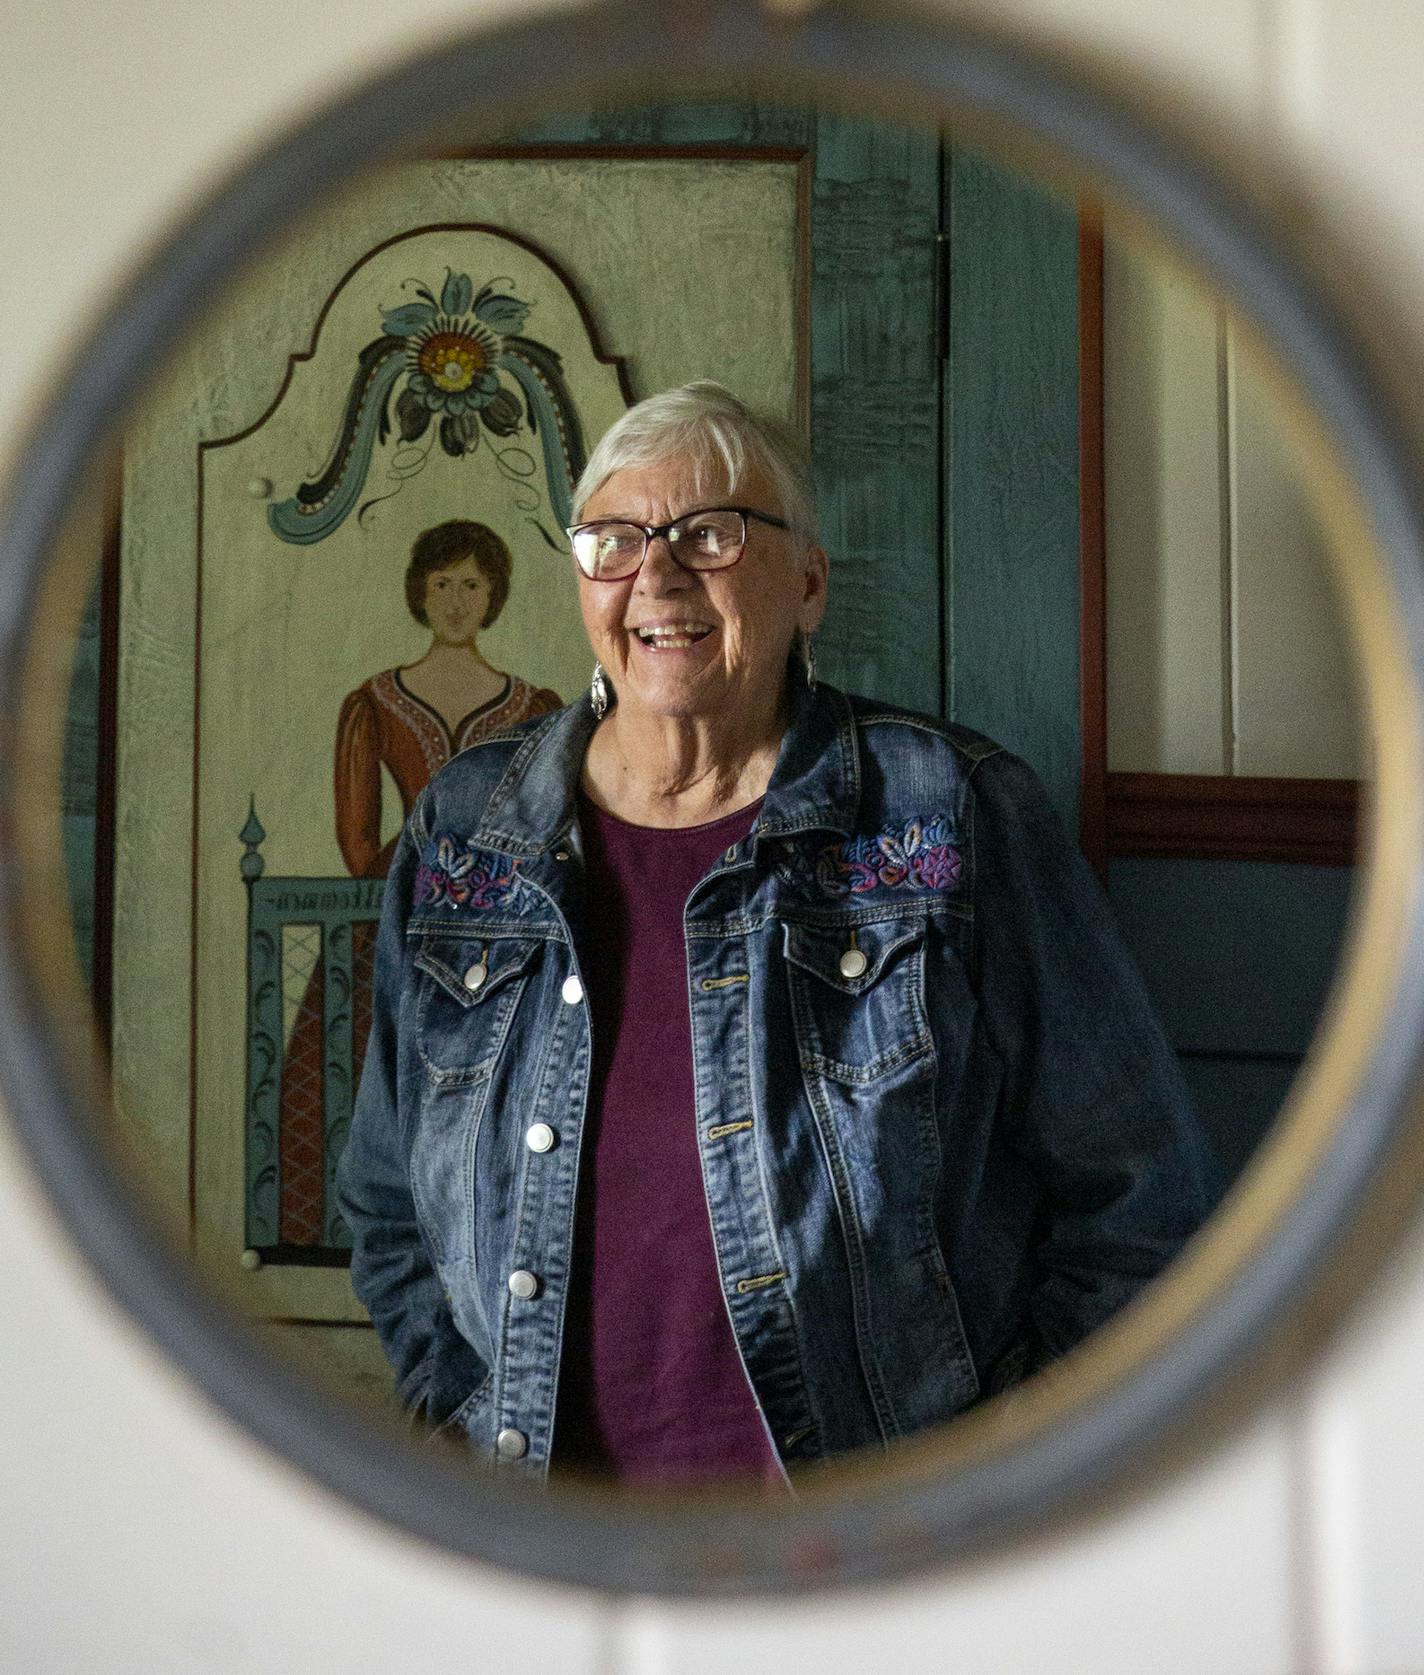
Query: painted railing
column 309, row 947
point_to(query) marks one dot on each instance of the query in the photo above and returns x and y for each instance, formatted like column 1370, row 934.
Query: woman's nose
column 659, row 567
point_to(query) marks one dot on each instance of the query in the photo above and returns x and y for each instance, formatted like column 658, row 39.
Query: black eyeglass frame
column 652, row 530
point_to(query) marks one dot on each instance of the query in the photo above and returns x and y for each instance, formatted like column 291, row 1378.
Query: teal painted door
column 1013, row 589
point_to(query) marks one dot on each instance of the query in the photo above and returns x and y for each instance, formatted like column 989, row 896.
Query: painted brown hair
column 447, row 544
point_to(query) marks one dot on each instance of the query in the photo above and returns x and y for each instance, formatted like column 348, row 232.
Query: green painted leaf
column 455, row 298
column 501, row 313
column 501, row 413
column 459, row 434
column 408, row 319
column 414, row 416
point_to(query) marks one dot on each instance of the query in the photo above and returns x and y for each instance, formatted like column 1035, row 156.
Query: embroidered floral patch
column 454, row 874
column 917, row 856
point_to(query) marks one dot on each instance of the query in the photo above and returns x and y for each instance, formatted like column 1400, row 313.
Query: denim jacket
column 942, row 1136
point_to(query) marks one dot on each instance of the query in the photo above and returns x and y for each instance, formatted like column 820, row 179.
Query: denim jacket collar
column 815, row 785
column 816, row 782
column 532, row 807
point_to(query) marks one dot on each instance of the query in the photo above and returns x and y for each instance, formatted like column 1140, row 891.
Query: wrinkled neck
column 658, row 770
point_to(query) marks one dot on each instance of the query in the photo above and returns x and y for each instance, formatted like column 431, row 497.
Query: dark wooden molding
column 1092, row 641
column 1214, row 817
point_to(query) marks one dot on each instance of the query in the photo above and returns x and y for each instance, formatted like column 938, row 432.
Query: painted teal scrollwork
column 469, row 370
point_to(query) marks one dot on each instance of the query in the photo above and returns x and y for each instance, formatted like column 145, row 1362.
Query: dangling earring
column 598, row 692
column 808, row 660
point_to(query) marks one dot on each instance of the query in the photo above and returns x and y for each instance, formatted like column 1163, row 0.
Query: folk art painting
column 453, row 406
column 343, row 557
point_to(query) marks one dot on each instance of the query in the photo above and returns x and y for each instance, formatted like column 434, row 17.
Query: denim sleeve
column 1092, row 1097
column 391, row 1269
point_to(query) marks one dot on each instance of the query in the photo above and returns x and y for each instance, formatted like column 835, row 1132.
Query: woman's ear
column 813, row 599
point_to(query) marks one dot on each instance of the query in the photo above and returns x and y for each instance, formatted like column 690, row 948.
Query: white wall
column 1225, row 648
column 142, row 1533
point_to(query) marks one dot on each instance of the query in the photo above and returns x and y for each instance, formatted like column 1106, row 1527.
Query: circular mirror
column 937, row 325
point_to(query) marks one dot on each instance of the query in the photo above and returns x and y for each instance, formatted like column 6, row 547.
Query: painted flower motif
column 457, row 875
column 917, row 856
column 453, row 347
column 452, row 362
column 461, row 359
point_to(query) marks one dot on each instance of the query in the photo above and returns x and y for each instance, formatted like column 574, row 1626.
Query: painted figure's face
column 679, row 643
column 456, row 600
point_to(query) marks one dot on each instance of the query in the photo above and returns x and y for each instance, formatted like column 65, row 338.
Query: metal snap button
column 523, row 1284
column 540, row 1138
column 475, row 975
column 572, row 991
column 561, row 854
column 853, row 963
column 511, row 1444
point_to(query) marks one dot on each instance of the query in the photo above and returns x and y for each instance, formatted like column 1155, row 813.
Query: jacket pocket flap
column 471, row 971
column 851, row 958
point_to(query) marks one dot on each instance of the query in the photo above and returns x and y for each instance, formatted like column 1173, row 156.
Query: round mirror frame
column 1264, row 1254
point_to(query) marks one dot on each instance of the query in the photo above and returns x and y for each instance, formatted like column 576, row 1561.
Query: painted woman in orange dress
column 415, row 719
column 410, row 720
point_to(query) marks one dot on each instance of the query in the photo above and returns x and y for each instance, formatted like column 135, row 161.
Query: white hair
column 719, row 435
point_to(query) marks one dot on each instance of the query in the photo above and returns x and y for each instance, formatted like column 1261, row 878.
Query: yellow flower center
column 450, row 360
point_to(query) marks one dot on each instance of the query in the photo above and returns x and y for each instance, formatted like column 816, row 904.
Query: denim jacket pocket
column 858, row 996
column 466, row 994
column 469, row 1422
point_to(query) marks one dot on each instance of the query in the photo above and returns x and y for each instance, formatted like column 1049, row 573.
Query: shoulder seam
column 975, row 751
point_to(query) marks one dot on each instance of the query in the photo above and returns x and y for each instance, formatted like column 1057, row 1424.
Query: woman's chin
column 670, row 696
column 665, row 706
column 663, row 683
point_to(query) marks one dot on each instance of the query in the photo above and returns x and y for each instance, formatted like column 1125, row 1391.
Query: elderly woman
column 754, row 1072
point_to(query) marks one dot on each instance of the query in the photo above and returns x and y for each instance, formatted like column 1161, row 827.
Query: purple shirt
column 651, row 1383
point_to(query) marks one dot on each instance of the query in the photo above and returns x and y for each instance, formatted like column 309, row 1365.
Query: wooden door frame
column 1165, row 816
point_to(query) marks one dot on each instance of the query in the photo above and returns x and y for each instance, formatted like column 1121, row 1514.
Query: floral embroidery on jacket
column 453, row 873
column 917, row 856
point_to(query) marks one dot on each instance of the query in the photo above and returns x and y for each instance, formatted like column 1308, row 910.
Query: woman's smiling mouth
column 672, row 636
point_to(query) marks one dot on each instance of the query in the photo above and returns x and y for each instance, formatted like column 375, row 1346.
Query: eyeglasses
column 712, row 538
